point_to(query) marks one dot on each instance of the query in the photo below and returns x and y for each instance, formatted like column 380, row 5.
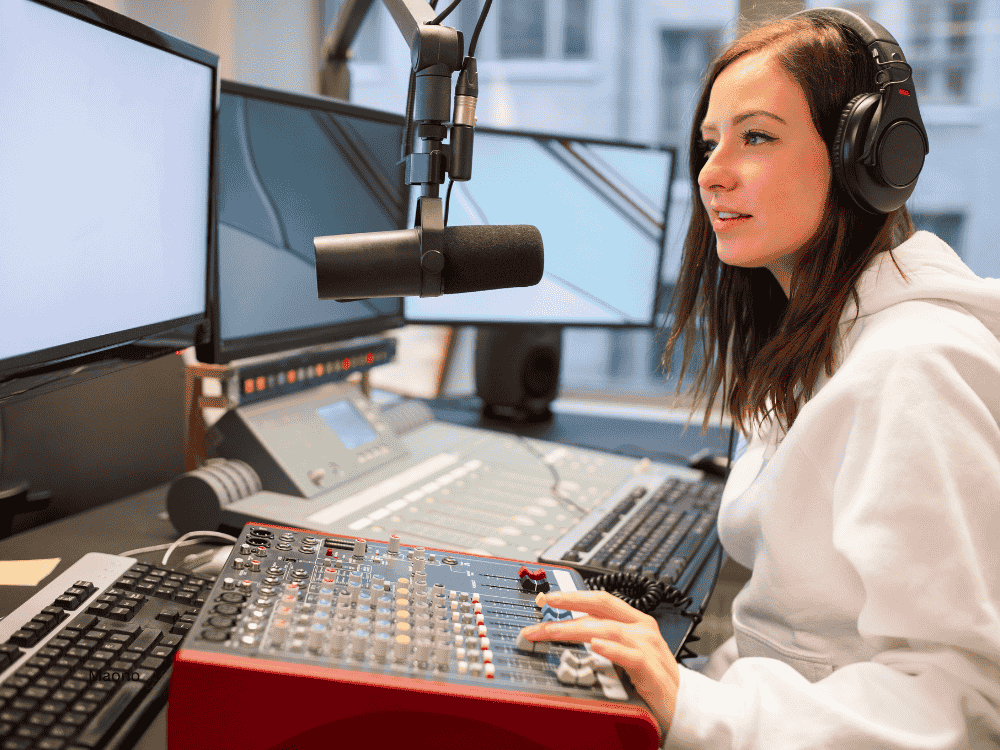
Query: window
column 576, row 30
column 367, row 44
column 940, row 50
column 522, row 29
column 684, row 56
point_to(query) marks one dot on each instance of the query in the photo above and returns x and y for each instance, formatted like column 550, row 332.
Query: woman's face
column 766, row 162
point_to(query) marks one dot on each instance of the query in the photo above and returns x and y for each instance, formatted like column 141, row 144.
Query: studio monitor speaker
column 517, row 371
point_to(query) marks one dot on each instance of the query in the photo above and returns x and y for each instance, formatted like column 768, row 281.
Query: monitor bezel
column 653, row 319
column 154, row 339
column 217, row 351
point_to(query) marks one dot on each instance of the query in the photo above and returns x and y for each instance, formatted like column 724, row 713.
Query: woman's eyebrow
column 745, row 116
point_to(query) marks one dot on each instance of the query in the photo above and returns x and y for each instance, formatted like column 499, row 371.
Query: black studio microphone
column 387, row 264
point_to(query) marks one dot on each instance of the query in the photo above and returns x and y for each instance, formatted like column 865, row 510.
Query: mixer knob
column 255, row 566
column 442, row 655
column 359, row 639
column 418, row 565
column 279, row 632
column 354, row 577
column 401, row 647
column 422, row 650
column 382, row 626
column 245, row 586
column 381, row 646
column 418, row 553
column 337, row 640
column 353, row 589
column 377, row 582
column 465, row 607
column 463, row 596
column 360, row 547
column 393, row 545
column 275, row 569
column 237, row 563
column 228, row 584
column 244, row 549
column 316, row 636
column 344, row 598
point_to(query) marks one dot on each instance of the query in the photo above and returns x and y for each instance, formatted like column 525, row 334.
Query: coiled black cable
column 640, row 592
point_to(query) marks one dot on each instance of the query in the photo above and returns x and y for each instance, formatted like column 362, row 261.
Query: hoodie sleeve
column 913, row 469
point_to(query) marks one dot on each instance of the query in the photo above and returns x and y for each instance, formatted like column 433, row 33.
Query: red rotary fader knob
column 533, row 581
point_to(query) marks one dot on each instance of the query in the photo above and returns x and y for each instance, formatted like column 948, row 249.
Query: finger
column 597, row 603
column 630, row 658
column 580, row 630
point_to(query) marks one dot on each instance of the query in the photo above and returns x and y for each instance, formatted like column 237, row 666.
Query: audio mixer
column 328, row 459
column 310, row 640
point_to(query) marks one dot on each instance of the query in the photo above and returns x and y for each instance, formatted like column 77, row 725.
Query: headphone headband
column 881, row 142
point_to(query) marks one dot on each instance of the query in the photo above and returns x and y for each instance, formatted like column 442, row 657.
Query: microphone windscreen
column 491, row 257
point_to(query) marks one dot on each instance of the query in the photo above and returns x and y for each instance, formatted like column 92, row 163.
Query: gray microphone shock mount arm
column 436, row 52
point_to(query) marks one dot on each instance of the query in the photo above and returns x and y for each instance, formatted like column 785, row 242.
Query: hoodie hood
column 933, row 272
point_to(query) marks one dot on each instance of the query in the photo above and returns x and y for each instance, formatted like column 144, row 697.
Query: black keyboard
column 85, row 662
column 663, row 529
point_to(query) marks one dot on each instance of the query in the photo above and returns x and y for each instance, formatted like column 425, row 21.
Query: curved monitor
column 601, row 208
column 295, row 167
column 106, row 128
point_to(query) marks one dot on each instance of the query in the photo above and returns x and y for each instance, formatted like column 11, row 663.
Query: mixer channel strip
column 650, row 527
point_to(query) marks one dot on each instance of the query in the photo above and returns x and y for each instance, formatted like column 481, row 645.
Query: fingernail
column 540, row 600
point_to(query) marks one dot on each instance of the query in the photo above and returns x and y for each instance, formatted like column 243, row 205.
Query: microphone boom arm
column 436, row 52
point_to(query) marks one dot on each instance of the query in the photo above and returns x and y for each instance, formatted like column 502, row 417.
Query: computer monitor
column 106, row 164
column 601, row 208
column 295, row 167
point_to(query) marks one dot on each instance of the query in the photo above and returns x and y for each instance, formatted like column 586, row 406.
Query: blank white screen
column 104, row 157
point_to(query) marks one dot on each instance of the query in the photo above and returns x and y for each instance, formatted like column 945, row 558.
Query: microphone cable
column 640, row 592
column 472, row 54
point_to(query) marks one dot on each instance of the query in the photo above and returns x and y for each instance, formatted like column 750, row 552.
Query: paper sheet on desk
column 26, row 572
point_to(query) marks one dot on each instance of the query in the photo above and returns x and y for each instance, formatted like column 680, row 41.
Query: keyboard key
column 111, row 715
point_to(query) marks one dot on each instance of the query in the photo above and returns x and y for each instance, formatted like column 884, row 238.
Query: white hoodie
column 872, row 619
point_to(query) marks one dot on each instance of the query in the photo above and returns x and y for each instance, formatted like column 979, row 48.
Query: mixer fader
column 310, row 636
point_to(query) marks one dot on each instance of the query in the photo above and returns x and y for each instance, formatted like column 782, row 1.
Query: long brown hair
column 763, row 350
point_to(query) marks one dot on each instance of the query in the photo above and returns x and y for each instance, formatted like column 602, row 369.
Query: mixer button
column 463, row 667
column 484, row 643
column 475, row 668
column 460, row 653
column 487, row 656
column 489, row 671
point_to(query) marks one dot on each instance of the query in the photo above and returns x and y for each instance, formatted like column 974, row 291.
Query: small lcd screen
column 348, row 425
column 292, row 171
column 601, row 209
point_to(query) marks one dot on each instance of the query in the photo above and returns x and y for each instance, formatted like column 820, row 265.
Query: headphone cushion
column 848, row 146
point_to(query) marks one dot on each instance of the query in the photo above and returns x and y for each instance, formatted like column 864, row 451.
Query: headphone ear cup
column 848, row 145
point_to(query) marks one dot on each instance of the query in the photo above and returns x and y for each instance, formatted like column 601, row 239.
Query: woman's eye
column 707, row 147
column 758, row 137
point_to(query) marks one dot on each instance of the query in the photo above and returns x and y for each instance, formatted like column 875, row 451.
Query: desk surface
column 136, row 521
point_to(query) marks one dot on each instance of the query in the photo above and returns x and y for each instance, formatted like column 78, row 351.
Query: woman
column 861, row 361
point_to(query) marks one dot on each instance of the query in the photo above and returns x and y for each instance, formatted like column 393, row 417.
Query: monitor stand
column 517, row 371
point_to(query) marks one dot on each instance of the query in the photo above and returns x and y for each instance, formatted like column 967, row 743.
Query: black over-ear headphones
column 880, row 145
